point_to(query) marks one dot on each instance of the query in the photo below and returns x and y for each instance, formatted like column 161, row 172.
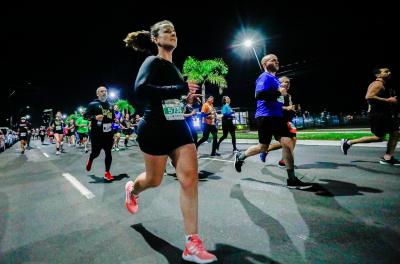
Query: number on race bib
column 173, row 109
column 107, row 127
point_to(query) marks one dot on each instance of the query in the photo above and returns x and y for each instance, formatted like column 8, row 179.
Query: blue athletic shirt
column 115, row 124
column 268, row 82
column 227, row 111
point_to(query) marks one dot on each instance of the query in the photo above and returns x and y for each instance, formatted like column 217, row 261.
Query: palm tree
column 212, row 71
column 125, row 107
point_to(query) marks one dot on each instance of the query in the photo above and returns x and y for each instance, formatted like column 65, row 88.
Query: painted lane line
column 217, row 159
column 82, row 189
column 46, row 155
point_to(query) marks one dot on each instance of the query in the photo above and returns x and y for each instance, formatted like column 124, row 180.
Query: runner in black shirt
column 126, row 125
column 23, row 129
column 163, row 132
column 71, row 133
column 190, row 112
column 58, row 126
column 101, row 114
column 383, row 117
column 42, row 133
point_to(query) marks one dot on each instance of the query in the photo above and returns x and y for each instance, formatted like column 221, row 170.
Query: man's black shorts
column 269, row 126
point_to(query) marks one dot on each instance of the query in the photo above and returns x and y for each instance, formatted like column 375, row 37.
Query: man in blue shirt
column 269, row 114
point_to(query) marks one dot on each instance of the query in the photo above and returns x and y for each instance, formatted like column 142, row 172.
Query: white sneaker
column 58, row 152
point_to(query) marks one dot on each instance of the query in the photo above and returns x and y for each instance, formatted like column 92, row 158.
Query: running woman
column 116, row 128
column 58, row 125
column 227, row 122
column 190, row 113
column 126, row 126
column 163, row 132
column 209, row 125
column 71, row 133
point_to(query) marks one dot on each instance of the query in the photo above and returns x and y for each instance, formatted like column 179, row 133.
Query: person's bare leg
column 287, row 152
column 185, row 159
column 391, row 145
column 274, row 146
column 256, row 149
column 365, row 140
column 152, row 177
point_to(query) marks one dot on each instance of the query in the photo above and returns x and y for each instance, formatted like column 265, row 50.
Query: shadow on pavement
column 324, row 165
column 203, row 175
column 331, row 188
column 341, row 235
column 97, row 179
column 225, row 253
column 340, row 188
column 333, row 165
column 280, row 243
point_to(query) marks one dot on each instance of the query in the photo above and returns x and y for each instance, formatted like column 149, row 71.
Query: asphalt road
column 53, row 211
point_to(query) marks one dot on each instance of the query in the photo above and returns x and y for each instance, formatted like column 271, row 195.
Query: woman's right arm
column 145, row 88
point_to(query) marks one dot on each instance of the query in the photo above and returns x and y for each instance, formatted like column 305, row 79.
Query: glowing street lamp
column 249, row 38
column 113, row 95
column 248, row 43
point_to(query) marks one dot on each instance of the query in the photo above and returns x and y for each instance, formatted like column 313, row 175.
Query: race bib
column 23, row 134
column 42, row 133
column 173, row 109
column 107, row 127
column 58, row 127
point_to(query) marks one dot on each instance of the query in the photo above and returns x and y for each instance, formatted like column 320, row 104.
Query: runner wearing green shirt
column 83, row 130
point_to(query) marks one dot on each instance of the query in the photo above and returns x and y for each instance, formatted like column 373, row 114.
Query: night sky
column 56, row 55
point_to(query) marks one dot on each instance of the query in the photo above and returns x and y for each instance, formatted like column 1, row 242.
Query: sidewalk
column 316, row 143
column 328, row 131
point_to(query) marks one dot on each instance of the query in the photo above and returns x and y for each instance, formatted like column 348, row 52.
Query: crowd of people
column 170, row 106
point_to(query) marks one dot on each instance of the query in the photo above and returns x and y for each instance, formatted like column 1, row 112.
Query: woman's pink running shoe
column 131, row 200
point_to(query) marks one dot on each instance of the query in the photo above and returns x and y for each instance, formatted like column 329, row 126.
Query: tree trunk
column 203, row 93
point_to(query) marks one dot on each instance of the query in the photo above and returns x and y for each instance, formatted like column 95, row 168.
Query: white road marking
column 82, row 189
column 218, row 159
column 46, row 155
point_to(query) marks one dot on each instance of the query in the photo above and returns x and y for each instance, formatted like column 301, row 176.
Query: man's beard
column 103, row 98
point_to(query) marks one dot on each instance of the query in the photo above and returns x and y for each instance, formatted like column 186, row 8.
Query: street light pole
column 248, row 43
column 255, row 53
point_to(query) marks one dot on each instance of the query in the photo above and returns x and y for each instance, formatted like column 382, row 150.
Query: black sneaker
column 345, row 146
column 238, row 162
column 215, row 154
column 392, row 161
column 298, row 184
